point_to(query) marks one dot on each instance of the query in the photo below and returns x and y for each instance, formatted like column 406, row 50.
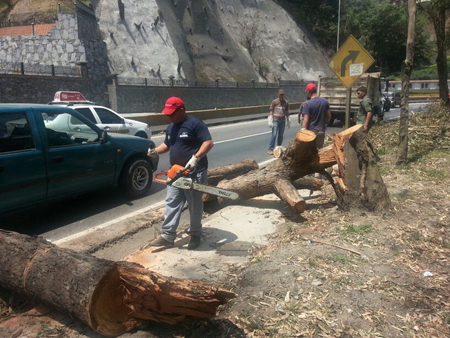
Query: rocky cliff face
column 234, row 40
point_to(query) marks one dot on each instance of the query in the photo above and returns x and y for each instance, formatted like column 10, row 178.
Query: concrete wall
column 139, row 99
column 36, row 89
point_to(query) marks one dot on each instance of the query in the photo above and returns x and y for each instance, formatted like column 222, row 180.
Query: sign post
column 349, row 63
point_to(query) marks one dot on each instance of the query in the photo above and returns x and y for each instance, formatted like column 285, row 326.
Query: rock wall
column 234, row 40
column 61, row 46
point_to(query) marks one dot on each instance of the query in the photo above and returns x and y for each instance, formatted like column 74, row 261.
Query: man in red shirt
column 278, row 120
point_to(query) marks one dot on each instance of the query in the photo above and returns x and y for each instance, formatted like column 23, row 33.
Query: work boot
column 194, row 242
column 160, row 241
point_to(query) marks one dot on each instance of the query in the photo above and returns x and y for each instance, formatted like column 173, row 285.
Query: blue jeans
column 175, row 200
column 277, row 130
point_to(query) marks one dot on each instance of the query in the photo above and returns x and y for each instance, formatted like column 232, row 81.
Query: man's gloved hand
column 288, row 122
column 193, row 162
column 151, row 152
column 270, row 121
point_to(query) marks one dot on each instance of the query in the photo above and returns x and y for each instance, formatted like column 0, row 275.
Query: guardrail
column 158, row 122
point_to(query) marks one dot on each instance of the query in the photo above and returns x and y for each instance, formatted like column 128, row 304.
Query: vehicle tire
column 141, row 134
column 136, row 178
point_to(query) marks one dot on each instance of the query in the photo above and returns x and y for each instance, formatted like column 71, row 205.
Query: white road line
column 154, row 206
column 107, row 224
column 242, row 137
column 223, row 126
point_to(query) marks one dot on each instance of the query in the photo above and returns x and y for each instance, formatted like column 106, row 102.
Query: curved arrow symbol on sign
column 352, row 55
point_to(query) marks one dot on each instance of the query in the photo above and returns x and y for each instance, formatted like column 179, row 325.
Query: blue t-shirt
column 184, row 140
column 316, row 108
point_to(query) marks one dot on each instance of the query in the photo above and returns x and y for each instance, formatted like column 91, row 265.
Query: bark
column 406, row 76
column 231, row 171
column 436, row 10
column 110, row 297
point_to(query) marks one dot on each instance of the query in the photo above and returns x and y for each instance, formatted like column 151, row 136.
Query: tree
column 436, row 10
column 406, row 75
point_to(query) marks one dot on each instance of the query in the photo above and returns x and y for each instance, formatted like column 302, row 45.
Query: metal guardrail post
column 145, row 82
column 171, row 80
column 22, row 69
column 53, row 70
column 217, row 83
column 253, row 83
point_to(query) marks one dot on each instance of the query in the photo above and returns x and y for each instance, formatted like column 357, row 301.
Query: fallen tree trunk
column 110, row 297
column 231, row 171
column 302, row 158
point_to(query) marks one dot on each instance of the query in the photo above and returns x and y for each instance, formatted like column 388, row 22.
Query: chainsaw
column 177, row 176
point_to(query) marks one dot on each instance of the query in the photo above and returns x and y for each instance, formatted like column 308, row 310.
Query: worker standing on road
column 278, row 120
column 365, row 111
column 316, row 114
column 188, row 140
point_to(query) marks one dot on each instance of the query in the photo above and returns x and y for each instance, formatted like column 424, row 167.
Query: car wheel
column 141, row 134
column 136, row 178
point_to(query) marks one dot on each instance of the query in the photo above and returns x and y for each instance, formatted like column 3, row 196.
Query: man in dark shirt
column 316, row 114
column 188, row 140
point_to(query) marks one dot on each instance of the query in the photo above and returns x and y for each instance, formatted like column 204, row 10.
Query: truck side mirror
column 103, row 136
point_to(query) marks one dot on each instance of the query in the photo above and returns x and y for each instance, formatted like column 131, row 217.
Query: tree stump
column 359, row 181
column 110, row 297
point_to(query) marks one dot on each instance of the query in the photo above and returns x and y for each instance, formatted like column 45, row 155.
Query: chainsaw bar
column 188, row 184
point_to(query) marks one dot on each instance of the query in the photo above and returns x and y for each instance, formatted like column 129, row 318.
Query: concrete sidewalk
column 229, row 237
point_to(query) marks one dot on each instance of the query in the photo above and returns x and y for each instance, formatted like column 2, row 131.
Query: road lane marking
column 242, row 137
column 224, row 126
column 154, row 206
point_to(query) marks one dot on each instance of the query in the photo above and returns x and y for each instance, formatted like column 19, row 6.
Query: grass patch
column 351, row 229
column 435, row 174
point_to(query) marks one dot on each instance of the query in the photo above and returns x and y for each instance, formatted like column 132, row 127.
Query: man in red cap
column 316, row 114
column 188, row 140
column 278, row 120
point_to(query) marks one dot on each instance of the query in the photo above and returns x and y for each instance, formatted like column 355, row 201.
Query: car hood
column 131, row 142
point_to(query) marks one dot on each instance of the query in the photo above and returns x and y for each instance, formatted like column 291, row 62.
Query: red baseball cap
column 310, row 87
column 173, row 104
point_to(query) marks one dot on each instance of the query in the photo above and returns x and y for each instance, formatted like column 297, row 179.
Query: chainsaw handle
column 157, row 179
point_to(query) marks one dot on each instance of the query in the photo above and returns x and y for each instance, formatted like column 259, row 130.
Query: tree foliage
column 380, row 26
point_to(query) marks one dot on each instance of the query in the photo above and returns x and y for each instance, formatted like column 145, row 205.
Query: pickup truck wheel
column 141, row 134
column 136, row 178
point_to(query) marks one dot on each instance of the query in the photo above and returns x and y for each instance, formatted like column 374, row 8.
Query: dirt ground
column 394, row 284
column 399, row 284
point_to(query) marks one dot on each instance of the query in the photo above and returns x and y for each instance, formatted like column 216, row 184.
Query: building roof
column 26, row 30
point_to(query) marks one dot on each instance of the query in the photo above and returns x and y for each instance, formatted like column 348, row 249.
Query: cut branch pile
column 111, row 297
column 358, row 177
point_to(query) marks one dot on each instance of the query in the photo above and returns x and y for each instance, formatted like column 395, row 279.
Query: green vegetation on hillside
column 380, row 26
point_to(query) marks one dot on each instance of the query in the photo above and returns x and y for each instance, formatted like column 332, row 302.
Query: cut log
column 110, row 297
column 289, row 194
column 231, row 171
column 301, row 158
column 278, row 151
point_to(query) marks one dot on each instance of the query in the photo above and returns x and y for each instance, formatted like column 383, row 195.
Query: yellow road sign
column 350, row 61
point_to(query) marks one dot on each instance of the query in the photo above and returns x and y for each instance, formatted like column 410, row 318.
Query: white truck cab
column 103, row 117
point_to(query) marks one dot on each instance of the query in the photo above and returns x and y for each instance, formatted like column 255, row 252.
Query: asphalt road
column 233, row 142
